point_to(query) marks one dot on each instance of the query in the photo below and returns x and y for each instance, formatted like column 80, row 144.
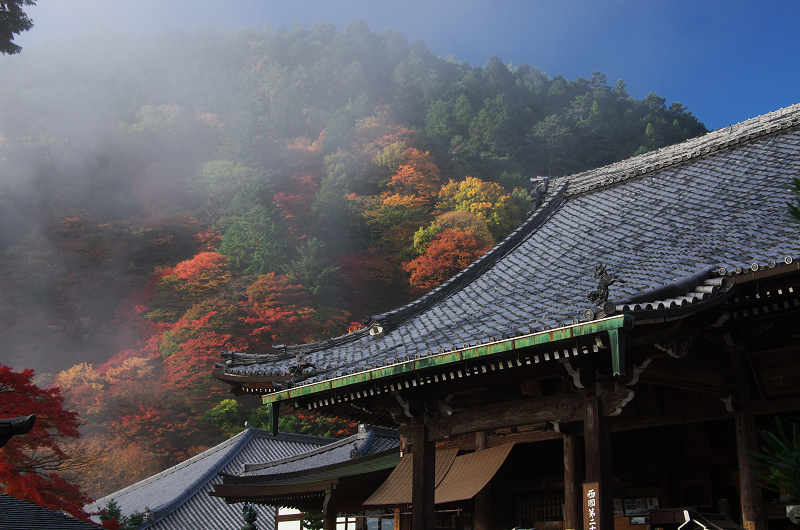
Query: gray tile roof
column 666, row 222
column 179, row 496
column 16, row 514
column 369, row 440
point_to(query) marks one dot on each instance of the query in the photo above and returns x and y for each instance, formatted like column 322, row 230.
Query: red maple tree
column 279, row 311
column 29, row 464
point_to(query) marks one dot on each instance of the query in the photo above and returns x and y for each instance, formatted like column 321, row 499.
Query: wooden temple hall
column 608, row 365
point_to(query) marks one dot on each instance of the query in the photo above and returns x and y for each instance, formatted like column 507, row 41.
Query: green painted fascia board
column 442, row 359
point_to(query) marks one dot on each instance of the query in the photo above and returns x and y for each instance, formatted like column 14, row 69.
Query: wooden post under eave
column 423, row 482
column 750, row 491
column 573, row 514
column 483, row 499
column 328, row 511
column 597, row 439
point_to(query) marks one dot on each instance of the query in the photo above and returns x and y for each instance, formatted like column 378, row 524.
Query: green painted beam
column 617, row 339
column 553, row 336
column 273, row 409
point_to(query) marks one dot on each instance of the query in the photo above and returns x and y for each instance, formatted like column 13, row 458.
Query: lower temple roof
column 179, row 498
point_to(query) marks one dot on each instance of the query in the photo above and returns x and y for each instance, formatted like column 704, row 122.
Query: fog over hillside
column 164, row 198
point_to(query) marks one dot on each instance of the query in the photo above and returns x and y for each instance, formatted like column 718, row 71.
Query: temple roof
column 16, row 514
column 301, row 481
column 670, row 225
column 178, row 497
column 368, row 441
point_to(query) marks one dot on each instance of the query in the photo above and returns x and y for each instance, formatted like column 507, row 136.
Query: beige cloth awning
column 397, row 487
column 457, row 478
column 470, row 473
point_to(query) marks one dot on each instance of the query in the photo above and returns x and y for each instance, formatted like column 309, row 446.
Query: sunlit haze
column 726, row 61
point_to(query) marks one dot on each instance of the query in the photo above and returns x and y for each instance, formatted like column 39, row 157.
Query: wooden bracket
column 637, row 371
column 581, row 378
column 615, row 401
column 677, row 375
column 732, row 404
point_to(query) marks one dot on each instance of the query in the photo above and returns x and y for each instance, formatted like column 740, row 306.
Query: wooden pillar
column 597, row 439
column 751, row 494
column 328, row 511
column 573, row 514
column 483, row 499
column 423, row 483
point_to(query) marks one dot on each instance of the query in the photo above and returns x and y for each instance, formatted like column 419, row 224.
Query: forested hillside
column 165, row 199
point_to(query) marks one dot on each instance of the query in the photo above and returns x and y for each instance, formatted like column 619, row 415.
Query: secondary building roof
column 302, row 481
column 178, row 498
column 675, row 227
column 16, row 514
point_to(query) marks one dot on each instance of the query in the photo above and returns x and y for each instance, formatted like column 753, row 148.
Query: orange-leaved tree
column 459, row 220
column 448, row 253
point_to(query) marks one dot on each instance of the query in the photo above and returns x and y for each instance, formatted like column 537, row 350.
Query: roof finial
column 249, row 515
column 600, row 296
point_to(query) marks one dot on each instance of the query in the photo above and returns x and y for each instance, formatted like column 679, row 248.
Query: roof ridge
column 484, row 262
column 293, row 437
column 165, row 509
column 382, row 431
column 242, row 437
column 678, row 287
column 734, row 135
column 366, row 443
column 307, row 454
column 397, row 316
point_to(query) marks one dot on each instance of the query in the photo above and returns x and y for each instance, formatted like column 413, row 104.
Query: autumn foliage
column 152, row 399
column 449, row 252
column 31, row 464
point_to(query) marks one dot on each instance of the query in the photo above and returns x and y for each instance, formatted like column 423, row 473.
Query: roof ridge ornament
column 599, row 297
column 539, row 191
column 301, row 366
column 249, row 515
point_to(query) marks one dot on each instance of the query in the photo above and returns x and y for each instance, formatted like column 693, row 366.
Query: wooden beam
column 751, row 496
column 562, row 407
column 423, row 483
column 675, row 375
column 477, row 419
column 466, row 442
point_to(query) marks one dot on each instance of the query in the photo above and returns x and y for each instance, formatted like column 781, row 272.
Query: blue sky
column 727, row 61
